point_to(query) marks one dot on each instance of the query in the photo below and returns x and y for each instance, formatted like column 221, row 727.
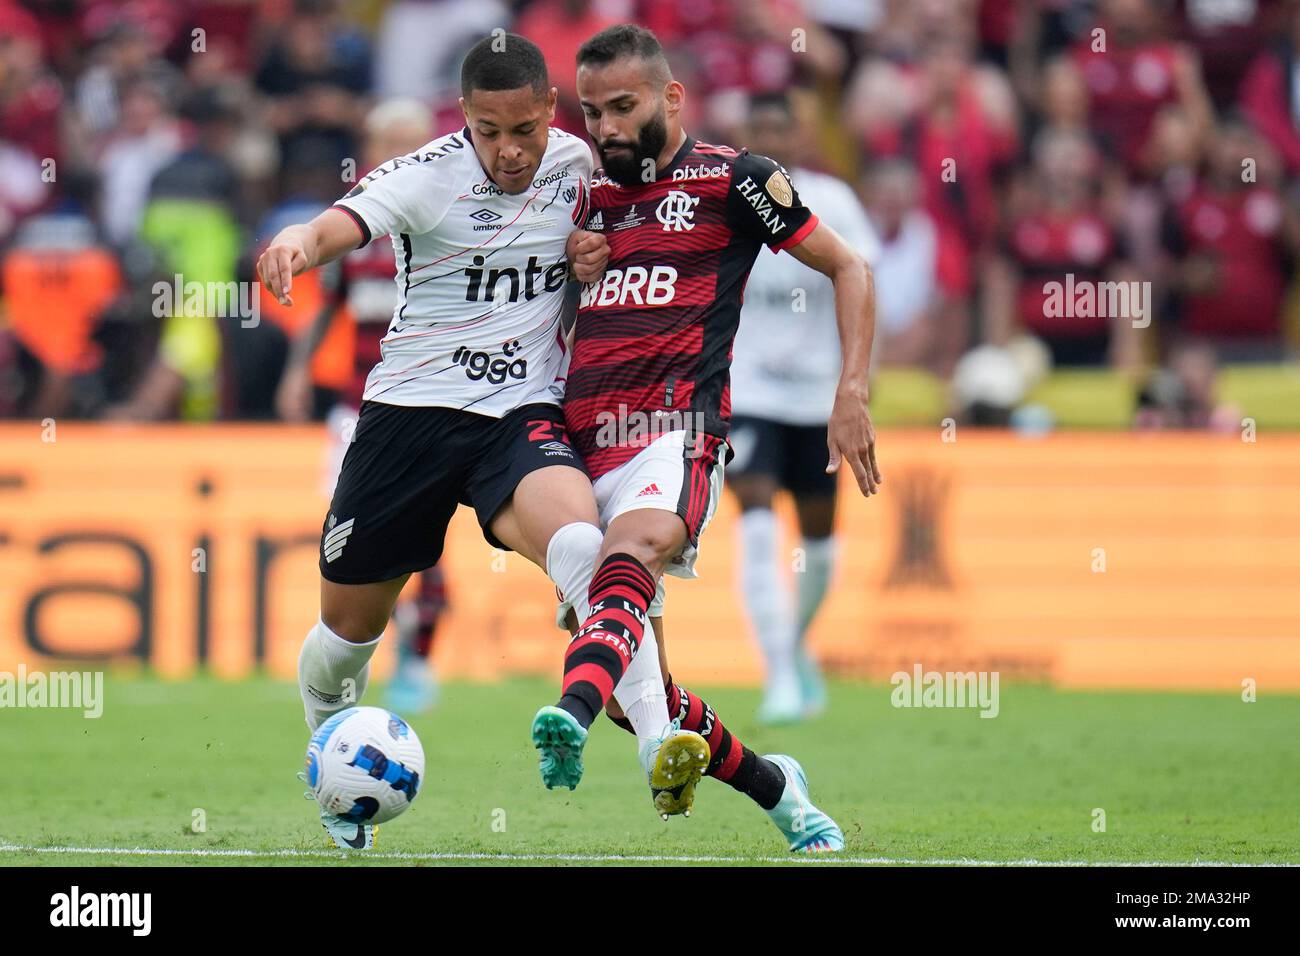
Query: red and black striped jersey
column 652, row 345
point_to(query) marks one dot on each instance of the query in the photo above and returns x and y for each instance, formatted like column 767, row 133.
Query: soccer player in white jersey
column 783, row 375
column 463, row 405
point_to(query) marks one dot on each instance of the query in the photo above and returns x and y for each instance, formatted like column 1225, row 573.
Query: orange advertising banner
column 1098, row 559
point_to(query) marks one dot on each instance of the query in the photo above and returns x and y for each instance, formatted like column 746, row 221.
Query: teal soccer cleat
column 559, row 738
column 807, row 829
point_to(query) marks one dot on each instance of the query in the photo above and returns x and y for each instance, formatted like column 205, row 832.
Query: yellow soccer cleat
column 674, row 765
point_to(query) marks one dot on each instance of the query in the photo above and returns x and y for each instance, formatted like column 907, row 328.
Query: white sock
column 641, row 692
column 819, row 562
column 570, row 562
column 766, row 597
column 325, row 663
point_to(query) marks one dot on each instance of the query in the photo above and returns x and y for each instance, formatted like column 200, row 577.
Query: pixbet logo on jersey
column 655, row 286
column 479, row 365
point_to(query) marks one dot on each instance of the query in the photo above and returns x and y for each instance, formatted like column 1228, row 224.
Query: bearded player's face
column 626, row 118
column 509, row 129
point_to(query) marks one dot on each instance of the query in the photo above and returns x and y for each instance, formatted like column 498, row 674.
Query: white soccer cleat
column 347, row 835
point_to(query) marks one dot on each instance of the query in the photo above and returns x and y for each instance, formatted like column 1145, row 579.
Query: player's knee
column 355, row 621
column 816, row 516
column 754, row 493
column 653, row 547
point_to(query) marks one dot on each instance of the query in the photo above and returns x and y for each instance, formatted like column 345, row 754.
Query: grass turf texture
column 1181, row 778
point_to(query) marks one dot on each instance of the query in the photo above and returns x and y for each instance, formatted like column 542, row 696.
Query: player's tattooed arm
column 588, row 254
column 295, row 249
column 850, row 435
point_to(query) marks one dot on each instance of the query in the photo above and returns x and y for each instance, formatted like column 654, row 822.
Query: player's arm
column 849, row 433
column 295, row 249
column 763, row 204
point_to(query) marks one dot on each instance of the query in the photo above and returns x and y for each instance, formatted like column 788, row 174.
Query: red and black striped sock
column 620, row 595
column 733, row 763
column 430, row 600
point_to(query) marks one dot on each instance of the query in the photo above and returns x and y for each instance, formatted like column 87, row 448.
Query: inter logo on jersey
column 532, row 285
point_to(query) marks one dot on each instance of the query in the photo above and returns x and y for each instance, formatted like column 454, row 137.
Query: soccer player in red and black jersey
column 647, row 402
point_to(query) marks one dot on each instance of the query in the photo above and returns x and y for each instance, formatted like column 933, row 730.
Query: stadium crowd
column 998, row 146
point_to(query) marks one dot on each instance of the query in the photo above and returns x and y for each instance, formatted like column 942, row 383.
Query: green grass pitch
column 1180, row 778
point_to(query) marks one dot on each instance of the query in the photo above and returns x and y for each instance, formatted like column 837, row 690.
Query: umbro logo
column 333, row 544
column 485, row 215
column 650, row 489
column 556, row 447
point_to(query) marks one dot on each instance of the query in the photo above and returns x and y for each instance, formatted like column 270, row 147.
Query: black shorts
column 794, row 455
column 408, row 467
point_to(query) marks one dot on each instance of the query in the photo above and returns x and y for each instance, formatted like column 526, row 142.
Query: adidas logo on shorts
column 333, row 544
column 650, row 489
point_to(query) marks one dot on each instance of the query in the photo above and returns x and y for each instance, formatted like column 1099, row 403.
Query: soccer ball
column 364, row 764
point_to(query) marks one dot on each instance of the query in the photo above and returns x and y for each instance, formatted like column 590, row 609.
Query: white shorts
column 666, row 475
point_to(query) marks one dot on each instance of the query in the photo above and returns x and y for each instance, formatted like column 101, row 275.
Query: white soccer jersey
column 786, row 359
column 480, row 275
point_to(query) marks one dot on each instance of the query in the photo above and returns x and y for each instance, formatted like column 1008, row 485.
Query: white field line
column 816, row 858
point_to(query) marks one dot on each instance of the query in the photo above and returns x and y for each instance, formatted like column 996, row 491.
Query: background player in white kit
column 463, row 406
column 783, row 373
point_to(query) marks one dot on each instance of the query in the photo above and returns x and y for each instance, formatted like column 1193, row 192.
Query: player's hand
column 588, row 254
column 276, row 267
column 851, row 437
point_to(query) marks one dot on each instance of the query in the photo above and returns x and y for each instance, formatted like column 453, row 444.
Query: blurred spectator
column 191, row 226
column 147, row 138
column 126, row 50
column 58, row 280
column 1181, row 394
column 1132, row 69
column 1228, row 240
column 30, row 101
column 907, row 321
column 956, row 122
column 316, row 75
column 1057, row 244
column 1226, row 36
column 1268, row 94
column 727, row 50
